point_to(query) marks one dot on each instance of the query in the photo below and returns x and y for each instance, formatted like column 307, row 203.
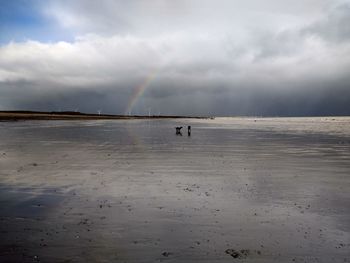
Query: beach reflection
column 134, row 191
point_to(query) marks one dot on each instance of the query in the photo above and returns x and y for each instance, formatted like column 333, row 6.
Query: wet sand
column 236, row 190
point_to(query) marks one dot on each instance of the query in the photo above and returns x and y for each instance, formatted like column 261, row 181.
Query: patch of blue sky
column 22, row 20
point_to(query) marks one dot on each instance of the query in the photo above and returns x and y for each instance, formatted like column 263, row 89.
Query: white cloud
column 95, row 60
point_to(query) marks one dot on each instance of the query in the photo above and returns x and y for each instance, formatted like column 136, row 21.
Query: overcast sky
column 193, row 57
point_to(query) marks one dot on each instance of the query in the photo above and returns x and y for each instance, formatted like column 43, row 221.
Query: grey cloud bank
column 233, row 58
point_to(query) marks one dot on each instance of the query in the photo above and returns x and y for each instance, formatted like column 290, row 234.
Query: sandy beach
column 236, row 190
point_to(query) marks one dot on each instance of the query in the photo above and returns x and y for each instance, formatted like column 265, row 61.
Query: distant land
column 73, row 115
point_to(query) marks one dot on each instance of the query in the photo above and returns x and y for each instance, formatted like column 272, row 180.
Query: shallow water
column 133, row 191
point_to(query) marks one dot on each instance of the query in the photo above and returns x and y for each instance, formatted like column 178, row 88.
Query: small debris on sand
column 166, row 254
column 243, row 253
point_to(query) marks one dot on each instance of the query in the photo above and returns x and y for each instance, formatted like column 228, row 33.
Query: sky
column 176, row 57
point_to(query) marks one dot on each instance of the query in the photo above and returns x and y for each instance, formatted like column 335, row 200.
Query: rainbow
column 138, row 92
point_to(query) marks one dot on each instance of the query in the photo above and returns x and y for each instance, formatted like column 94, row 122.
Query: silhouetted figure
column 189, row 130
column 178, row 130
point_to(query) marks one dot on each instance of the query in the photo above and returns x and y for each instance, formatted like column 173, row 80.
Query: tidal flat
column 236, row 190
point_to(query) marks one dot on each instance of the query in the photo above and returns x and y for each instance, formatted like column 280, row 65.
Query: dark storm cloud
column 30, row 96
column 204, row 59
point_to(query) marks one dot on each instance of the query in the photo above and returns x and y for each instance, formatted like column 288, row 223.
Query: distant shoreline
column 72, row 115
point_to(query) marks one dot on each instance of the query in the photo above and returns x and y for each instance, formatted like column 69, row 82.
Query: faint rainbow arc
column 139, row 91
